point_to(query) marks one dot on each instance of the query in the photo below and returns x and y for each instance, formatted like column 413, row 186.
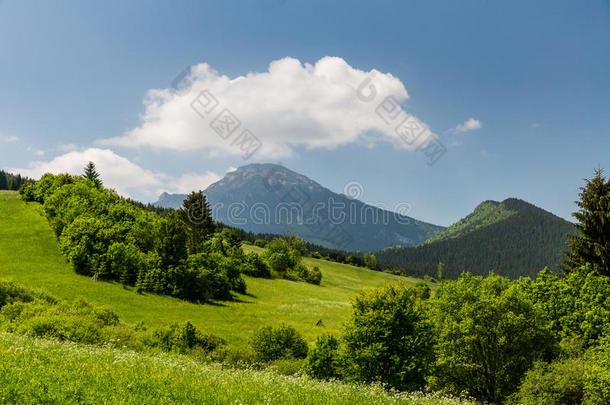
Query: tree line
column 9, row 181
column 107, row 237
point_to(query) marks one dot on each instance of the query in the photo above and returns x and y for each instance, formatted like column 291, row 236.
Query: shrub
column 260, row 243
column 323, row 358
column 313, row 276
column 422, row 291
column 254, row 266
column 558, row 383
column 388, row 338
column 182, row 338
column 489, row 333
column 272, row 343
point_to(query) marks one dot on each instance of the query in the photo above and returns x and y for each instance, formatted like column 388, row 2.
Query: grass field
column 44, row 371
column 29, row 255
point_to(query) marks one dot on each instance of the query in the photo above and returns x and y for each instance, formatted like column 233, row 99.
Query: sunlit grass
column 29, row 255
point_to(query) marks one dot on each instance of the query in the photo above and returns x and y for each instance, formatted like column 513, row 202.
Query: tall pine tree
column 92, row 174
column 196, row 215
column 3, row 181
column 592, row 243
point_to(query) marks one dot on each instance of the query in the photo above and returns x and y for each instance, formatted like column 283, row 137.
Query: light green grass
column 45, row 371
column 29, row 255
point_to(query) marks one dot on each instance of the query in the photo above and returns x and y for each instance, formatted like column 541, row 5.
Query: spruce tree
column 196, row 215
column 3, row 181
column 91, row 174
column 592, row 243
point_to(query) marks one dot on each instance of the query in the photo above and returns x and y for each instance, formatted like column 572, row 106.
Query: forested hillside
column 513, row 238
column 9, row 181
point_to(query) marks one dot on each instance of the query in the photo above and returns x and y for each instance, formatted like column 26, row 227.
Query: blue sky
column 535, row 75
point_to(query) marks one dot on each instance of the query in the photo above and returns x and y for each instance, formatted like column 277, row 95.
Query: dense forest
column 9, row 181
column 512, row 238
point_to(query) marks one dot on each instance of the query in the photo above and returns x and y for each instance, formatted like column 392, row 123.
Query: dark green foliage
column 284, row 258
column 518, row 243
column 312, row 276
column 260, row 243
column 489, row 332
column 107, row 237
column 323, row 360
column 370, row 261
column 183, row 338
column 388, row 339
column 422, row 291
column 9, row 181
column 255, row 266
column 283, row 341
column 592, row 243
column 196, row 215
column 91, row 174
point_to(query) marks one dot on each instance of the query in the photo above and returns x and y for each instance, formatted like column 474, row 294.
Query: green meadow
column 29, row 256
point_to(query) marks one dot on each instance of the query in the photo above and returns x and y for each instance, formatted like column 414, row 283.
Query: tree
column 283, row 341
column 196, row 215
column 370, row 261
column 388, row 338
column 90, row 173
column 3, row 181
column 323, row 359
column 440, row 269
column 592, row 243
column 489, row 332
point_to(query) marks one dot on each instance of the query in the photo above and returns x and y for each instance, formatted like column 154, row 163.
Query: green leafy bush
column 323, row 358
column 489, row 332
column 283, row 341
column 388, row 339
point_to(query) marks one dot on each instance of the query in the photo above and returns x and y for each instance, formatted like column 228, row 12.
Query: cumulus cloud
column 290, row 105
column 469, row 125
column 126, row 177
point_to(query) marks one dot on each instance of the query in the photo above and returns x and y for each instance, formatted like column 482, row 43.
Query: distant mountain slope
column 268, row 198
column 513, row 238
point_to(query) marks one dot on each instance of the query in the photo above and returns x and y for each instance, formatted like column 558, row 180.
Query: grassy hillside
column 512, row 238
column 43, row 371
column 29, row 255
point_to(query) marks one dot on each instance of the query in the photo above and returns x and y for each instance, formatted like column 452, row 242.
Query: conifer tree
column 92, row 174
column 3, row 181
column 592, row 243
column 196, row 215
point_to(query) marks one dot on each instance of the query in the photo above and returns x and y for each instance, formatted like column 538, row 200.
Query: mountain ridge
column 269, row 198
column 513, row 238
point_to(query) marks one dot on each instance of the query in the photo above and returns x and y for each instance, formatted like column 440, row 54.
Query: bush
column 323, row 359
column 182, row 338
column 260, row 243
column 558, row 383
column 313, row 276
column 254, row 266
column 273, row 343
column 388, row 339
column 422, row 291
column 489, row 332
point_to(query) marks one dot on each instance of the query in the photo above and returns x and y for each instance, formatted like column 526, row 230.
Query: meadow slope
column 29, row 255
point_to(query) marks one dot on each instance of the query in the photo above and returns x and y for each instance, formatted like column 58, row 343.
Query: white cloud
column 469, row 125
column 290, row 105
column 9, row 139
column 127, row 178
column 194, row 182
